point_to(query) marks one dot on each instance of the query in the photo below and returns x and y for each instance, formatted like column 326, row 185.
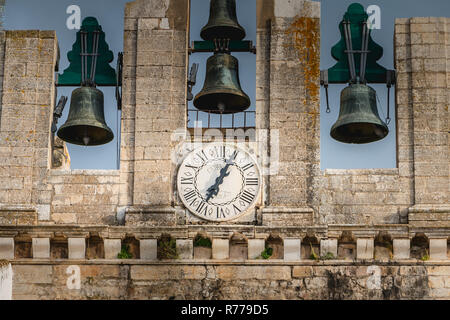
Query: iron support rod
column 351, row 58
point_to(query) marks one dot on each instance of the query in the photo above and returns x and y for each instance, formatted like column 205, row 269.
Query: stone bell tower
column 126, row 232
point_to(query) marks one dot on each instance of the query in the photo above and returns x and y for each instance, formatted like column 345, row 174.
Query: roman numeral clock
column 219, row 182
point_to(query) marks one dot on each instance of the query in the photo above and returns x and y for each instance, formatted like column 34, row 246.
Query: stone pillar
column 438, row 248
column 77, row 248
column 149, row 249
column 328, row 246
column 402, row 249
column 221, row 249
column 7, row 248
column 185, row 249
column 292, row 249
column 364, row 248
column 155, row 65
column 255, row 247
column 112, row 248
column 289, row 93
column 27, row 107
column 422, row 58
column 41, row 248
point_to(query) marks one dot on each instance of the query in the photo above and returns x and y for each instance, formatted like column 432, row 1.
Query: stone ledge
column 360, row 172
column 57, row 172
column 356, row 263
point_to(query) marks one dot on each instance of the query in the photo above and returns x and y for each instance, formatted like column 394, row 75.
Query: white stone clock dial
column 219, row 182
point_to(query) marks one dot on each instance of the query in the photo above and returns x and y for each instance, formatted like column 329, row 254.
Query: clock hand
column 214, row 189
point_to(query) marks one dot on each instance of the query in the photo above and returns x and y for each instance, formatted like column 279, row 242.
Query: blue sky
column 51, row 15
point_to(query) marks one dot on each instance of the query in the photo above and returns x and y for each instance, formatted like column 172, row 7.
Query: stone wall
column 55, row 216
column 239, row 281
column 155, row 64
column 84, row 197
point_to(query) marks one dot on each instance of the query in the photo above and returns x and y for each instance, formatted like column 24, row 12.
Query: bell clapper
column 221, row 106
column 86, row 138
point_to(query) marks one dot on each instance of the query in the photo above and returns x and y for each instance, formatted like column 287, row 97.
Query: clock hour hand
column 214, row 189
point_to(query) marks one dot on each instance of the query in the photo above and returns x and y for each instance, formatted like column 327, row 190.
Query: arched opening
column 383, row 247
column 246, row 15
column 275, row 243
column 346, row 246
column 202, row 247
column 95, row 248
column 23, row 15
column 238, row 247
column 310, row 248
column 132, row 246
column 448, row 248
column 167, row 247
column 420, row 247
column 59, row 248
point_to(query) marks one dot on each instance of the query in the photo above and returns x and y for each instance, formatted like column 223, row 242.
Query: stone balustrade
column 42, row 245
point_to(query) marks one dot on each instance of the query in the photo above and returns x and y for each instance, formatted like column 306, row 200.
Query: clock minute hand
column 214, row 189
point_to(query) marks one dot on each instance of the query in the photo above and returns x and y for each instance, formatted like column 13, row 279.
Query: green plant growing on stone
column 201, row 241
column 314, row 255
column 167, row 247
column 426, row 256
column 125, row 252
column 328, row 256
column 267, row 253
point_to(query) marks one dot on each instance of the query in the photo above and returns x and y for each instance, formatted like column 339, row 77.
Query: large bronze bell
column 223, row 23
column 358, row 120
column 86, row 124
column 222, row 92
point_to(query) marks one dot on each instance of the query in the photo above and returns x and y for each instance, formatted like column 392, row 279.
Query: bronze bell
column 223, row 23
column 358, row 120
column 86, row 124
column 222, row 92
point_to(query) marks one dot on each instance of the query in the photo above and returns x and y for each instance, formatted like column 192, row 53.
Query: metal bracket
column 192, row 80
column 57, row 113
column 324, row 82
column 119, row 74
column 390, row 80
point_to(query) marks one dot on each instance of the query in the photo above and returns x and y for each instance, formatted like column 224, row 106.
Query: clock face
column 219, row 182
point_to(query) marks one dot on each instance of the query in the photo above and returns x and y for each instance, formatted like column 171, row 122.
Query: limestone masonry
column 386, row 232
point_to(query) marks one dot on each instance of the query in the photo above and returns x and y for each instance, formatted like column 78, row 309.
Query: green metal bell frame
column 223, row 23
column 222, row 92
column 358, row 120
column 86, row 124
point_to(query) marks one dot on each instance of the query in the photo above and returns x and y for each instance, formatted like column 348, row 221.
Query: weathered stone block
column 402, row 248
column 220, row 249
column 255, row 247
column 149, row 249
column 41, row 248
column 112, row 248
column 438, row 249
column 292, row 249
column 77, row 248
column 185, row 249
column 7, row 248
column 328, row 246
column 32, row 274
column 364, row 249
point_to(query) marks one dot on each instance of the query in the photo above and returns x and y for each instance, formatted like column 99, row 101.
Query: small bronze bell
column 86, row 124
column 223, row 23
column 358, row 120
column 222, row 92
